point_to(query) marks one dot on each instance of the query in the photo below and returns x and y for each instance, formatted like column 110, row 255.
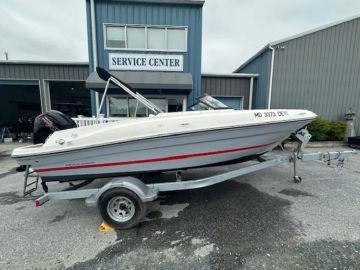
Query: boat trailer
column 122, row 200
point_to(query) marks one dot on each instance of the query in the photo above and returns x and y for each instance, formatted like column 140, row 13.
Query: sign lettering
column 151, row 62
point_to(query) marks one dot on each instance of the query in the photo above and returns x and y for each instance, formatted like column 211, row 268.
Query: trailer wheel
column 121, row 208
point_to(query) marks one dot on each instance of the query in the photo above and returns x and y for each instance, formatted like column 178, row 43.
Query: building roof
column 27, row 62
column 175, row 2
column 230, row 75
column 279, row 41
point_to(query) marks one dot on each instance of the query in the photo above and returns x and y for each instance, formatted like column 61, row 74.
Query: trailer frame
column 122, row 196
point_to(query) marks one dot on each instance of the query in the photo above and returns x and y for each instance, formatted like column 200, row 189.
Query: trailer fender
column 144, row 192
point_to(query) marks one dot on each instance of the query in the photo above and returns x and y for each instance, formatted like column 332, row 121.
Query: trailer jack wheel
column 297, row 179
column 121, row 208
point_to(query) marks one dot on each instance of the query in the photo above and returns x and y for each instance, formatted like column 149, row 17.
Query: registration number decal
column 271, row 114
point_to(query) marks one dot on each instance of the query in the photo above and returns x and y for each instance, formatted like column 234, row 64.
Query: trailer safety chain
column 329, row 159
column 341, row 162
column 328, row 155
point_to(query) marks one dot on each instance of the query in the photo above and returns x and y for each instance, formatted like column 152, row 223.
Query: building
column 29, row 88
column 234, row 90
column 317, row 70
column 155, row 47
column 152, row 45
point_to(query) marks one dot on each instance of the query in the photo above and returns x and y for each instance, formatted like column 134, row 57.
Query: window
column 176, row 39
column 151, row 38
column 121, row 106
column 175, row 105
column 138, row 108
column 156, row 38
column 162, row 104
column 135, row 37
column 115, row 37
column 118, row 107
column 128, row 107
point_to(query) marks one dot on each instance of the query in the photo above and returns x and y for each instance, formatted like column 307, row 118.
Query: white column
column 251, row 91
column 184, row 105
column 271, row 75
column 44, row 95
column 94, row 47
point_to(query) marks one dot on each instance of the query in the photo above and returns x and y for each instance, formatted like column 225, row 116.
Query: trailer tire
column 121, row 208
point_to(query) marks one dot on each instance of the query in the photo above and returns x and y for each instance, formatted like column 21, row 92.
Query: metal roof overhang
column 172, row 2
column 166, row 82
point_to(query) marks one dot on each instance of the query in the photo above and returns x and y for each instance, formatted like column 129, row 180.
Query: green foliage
column 327, row 130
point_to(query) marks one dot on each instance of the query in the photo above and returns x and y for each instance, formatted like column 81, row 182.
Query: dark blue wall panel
column 260, row 65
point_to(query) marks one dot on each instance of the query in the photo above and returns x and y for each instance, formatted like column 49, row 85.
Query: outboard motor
column 49, row 122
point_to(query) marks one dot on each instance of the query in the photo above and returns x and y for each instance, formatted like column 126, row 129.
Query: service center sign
column 150, row 62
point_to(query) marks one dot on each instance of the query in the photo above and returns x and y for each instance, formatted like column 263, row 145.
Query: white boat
column 161, row 142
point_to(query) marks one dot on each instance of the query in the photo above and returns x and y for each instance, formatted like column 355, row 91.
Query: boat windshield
column 206, row 102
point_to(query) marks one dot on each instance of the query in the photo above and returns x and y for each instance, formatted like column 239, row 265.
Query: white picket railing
column 89, row 121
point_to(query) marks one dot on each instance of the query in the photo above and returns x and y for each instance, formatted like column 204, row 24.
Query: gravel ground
column 259, row 221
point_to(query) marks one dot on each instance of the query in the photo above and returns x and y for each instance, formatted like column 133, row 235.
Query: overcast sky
column 233, row 30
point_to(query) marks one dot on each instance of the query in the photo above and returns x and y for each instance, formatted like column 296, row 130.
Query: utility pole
column 6, row 56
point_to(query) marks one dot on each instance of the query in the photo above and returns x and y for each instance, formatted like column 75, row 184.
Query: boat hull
column 173, row 152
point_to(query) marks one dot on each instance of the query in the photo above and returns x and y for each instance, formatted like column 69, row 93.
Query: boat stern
column 23, row 155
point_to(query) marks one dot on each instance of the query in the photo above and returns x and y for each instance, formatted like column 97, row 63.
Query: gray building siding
column 226, row 86
column 41, row 73
column 37, row 71
column 320, row 72
column 260, row 65
column 147, row 13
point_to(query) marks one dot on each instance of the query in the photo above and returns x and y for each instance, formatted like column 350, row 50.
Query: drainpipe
column 271, row 74
column 251, row 92
column 94, row 47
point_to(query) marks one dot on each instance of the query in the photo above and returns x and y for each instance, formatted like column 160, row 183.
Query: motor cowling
column 47, row 123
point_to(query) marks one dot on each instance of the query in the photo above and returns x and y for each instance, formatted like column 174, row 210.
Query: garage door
column 233, row 102
column 19, row 105
column 70, row 97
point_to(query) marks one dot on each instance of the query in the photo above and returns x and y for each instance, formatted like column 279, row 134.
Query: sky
column 233, row 30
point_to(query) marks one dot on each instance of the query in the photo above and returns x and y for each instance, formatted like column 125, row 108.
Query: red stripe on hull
column 168, row 158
